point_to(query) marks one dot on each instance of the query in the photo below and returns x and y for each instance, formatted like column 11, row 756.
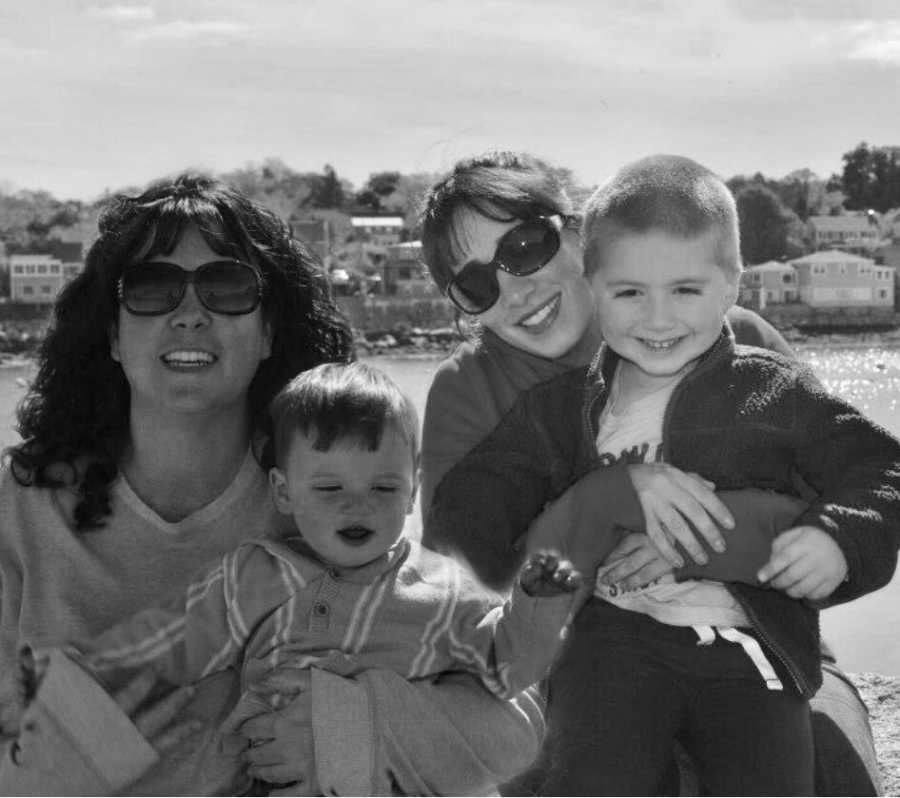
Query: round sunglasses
column 223, row 286
column 521, row 250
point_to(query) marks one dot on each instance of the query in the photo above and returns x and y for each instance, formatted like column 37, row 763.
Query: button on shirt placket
column 320, row 616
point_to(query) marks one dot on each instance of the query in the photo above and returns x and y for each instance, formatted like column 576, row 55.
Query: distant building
column 770, row 283
column 380, row 230
column 38, row 279
column 856, row 233
column 834, row 279
column 405, row 274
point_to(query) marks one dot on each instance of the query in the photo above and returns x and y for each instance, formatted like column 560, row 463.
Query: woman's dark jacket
column 744, row 417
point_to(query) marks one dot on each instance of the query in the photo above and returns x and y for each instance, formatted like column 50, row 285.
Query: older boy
column 727, row 668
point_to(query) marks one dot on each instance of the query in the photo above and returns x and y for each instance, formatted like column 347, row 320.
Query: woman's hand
column 672, row 501
column 271, row 729
column 637, row 563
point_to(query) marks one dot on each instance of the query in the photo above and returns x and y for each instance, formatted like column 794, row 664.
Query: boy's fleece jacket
column 744, row 417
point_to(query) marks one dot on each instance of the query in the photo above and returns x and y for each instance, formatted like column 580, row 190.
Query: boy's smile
column 662, row 301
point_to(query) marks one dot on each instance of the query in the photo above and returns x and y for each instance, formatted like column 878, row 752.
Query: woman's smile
column 190, row 359
column 540, row 319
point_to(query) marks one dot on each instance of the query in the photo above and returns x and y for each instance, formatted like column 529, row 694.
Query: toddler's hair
column 662, row 193
column 341, row 402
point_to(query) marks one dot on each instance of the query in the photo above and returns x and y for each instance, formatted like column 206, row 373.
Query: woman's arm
column 759, row 517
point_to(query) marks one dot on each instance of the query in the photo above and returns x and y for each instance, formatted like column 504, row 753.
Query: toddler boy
column 349, row 592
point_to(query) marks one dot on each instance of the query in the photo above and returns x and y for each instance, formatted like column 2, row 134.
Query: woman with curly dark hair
column 142, row 458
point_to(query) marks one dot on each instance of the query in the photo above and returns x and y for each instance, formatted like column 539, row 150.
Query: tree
column 328, row 191
column 764, row 224
column 871, row 177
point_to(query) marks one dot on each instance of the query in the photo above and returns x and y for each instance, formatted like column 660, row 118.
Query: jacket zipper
column 800, row 682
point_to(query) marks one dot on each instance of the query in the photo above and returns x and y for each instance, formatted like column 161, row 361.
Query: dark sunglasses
column 222, row 286
column 521, row 251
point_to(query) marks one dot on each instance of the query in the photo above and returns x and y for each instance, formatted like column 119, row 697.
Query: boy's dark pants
column 626, row 686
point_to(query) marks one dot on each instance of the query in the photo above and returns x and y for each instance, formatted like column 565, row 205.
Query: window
column 882, row 293
column 42, row 268
column 54, row 268
column 787, row 278
column 29, row 268
column 18, row 269
column 45, row 289
column 27, row 289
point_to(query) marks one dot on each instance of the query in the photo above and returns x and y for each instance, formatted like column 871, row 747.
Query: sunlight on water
column 867, row 378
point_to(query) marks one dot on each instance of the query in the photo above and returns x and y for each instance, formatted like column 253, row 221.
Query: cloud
column 880, row 43
column 181, row 30
column 816, row 10
column 125, row 13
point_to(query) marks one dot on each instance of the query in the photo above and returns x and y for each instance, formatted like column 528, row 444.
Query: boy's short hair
column 341, row 402
column 662, row 193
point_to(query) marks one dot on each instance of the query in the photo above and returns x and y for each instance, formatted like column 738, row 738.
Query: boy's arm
column 854, row 467
column 512, row 645
column 195, row 634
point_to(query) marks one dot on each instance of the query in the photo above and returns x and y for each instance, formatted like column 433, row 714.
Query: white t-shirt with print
column 633, row 434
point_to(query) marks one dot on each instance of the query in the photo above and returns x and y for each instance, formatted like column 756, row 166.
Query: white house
column 380, row 230
column 857, row 232
column 770, row 283
column 833, row 278
column 38, row 279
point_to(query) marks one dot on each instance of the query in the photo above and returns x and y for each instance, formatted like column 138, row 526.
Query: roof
column 831, row 256
column 770, row 266
column 377, row 221
column 842, row 224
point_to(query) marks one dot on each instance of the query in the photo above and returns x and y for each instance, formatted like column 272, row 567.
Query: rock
column 882, row 696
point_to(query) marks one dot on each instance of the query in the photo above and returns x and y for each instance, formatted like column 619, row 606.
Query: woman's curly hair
column 77, row 409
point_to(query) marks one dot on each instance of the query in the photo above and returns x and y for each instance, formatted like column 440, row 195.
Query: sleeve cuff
column 90, row 717
column 342, row 735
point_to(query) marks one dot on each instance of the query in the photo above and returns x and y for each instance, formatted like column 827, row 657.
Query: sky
column 99, row 95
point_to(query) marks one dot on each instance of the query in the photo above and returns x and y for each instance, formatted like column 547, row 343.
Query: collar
column 361, row 575
column 603, row 365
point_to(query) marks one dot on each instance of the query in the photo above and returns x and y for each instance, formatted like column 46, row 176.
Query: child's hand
column 545, row 574
column 806, row 563
column 272, row 728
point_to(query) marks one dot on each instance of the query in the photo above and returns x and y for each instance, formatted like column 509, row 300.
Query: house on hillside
column 405, row 274
column 37, row 279
column 833, row 278
column 380, row 230
column 770, row 283
column 857, row 233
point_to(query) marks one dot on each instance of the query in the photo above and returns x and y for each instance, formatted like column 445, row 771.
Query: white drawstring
column 707, row 635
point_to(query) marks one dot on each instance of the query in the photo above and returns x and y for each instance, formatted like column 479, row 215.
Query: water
column 863, row 633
